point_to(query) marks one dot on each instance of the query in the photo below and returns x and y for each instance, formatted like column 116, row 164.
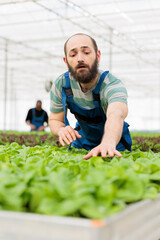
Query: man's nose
column 80, row 57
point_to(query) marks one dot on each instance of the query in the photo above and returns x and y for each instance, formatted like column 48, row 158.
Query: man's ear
column 65, row 60
column 98, row 55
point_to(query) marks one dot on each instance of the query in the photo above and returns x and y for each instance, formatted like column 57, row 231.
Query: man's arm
column 29, row 119
column 33, row 127
column 46, row 119
column 66, row 134
column 116, row 113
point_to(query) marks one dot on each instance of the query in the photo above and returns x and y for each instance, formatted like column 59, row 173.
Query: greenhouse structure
column 95, row 63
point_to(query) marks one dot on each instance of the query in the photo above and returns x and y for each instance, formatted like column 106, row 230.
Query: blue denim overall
column 37, row 121
column 91, row 122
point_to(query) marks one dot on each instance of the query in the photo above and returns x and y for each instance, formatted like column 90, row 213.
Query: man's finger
column 61, row 141
column 92, row 153
column 103, row 153
column 89, row 155
column 64, row 138
column 116, row 152
column 68, row 137
column 95, row 152
column 110, row 153
column 77, row 134
column 72, row 133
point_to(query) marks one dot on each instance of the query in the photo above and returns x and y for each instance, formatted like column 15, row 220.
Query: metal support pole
column 5, row 83
column 15, row 108
column 159, row 98
column 66, row 8
column 110, row 50
column 11, row 99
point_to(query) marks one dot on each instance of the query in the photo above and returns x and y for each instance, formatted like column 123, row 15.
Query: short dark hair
column 39, row 101
column 93, row 41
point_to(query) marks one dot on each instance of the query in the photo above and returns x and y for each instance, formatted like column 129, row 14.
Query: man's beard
column 86, row 75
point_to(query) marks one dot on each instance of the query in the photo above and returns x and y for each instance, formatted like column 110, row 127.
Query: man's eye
column 86, row 52
column 73, row 55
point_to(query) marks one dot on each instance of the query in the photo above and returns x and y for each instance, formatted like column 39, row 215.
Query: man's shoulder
column 108, row 76
column 58, row 83
column 44, row 111
column 113, row 79
column 110, row 80
column 60, row 79
column 112, row 84
column 31, row 109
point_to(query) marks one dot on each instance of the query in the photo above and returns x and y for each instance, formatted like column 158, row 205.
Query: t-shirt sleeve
column 114, row 91
column 56, row 95
column 46, row 117
column 29, row 115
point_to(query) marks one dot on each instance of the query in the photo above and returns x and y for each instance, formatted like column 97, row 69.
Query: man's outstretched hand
column 103, row 150
column 67, row 135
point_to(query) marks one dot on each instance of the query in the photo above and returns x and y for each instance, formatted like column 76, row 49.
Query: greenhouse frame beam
column 5, row 83
column 27, row 46
column 16, row 2
column 136, row 54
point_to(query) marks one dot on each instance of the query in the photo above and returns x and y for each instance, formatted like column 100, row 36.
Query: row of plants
column 141, row 141
column 27, row 138
column 57, row 181
column 146, row 141
column 38, row 175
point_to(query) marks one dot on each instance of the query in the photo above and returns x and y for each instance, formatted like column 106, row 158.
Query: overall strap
column 43, row 114
column 95, row 92
column 66, row 92
column 33, row 112
column 67, row 80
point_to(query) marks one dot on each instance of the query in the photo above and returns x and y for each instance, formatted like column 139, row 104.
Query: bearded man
column 96, row 98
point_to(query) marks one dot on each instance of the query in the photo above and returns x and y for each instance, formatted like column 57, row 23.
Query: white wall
column 17, row 112
column 144, row 114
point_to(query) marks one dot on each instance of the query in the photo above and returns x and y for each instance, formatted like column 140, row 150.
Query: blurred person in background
column 37, row 118
column 97, row 99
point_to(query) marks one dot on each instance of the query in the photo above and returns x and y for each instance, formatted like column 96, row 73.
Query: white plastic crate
column 140, row 221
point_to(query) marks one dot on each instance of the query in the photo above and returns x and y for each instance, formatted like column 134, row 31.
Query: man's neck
column 87, row 86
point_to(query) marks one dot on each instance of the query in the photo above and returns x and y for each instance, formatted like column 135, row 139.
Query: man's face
column 38, row 106
column 81, row 58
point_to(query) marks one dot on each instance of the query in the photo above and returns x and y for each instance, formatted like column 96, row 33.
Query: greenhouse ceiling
column 33, row 32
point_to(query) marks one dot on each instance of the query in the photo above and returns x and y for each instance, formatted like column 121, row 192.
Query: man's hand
column 103, row 149
column 33, row 127
column 41, row 128
column 67, row 135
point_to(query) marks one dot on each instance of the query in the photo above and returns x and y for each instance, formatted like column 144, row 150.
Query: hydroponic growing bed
column 48, row 180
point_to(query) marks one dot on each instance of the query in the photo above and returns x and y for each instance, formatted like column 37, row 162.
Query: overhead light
column 115, row 32
column 125, row 16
